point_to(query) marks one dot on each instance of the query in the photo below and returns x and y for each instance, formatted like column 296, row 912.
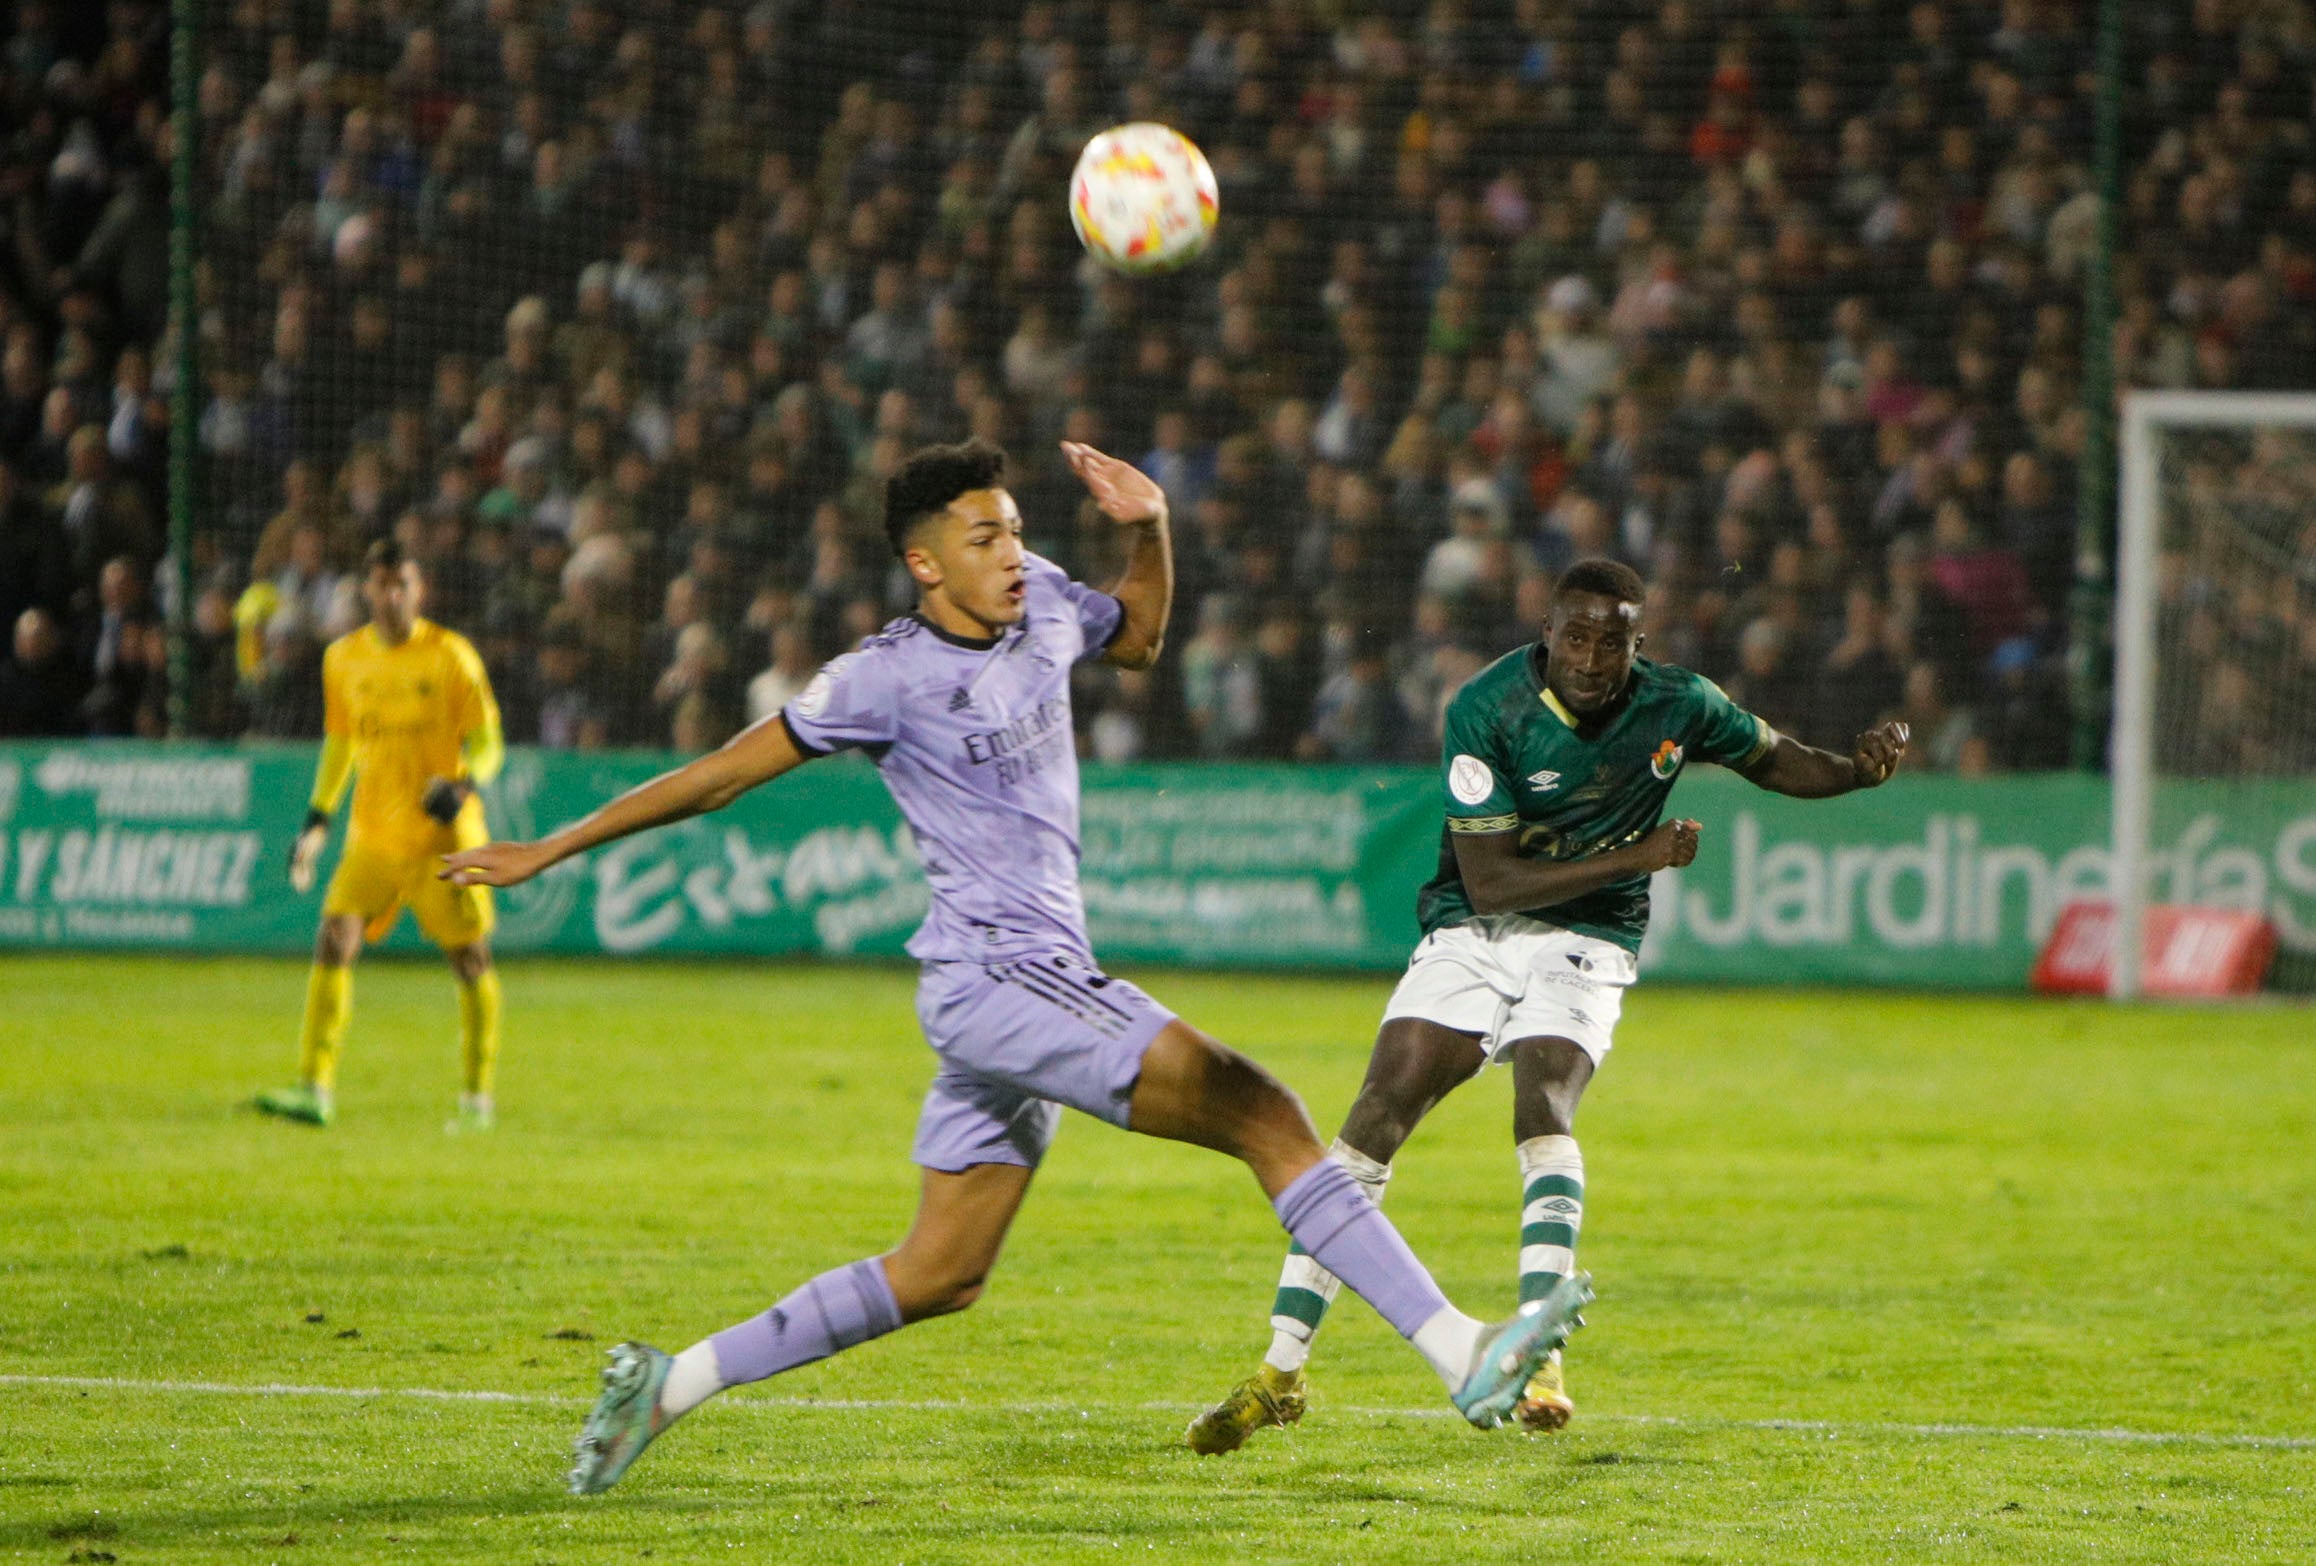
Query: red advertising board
column 2184, row 951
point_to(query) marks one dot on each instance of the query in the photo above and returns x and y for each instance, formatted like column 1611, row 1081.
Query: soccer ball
column 1143, row 198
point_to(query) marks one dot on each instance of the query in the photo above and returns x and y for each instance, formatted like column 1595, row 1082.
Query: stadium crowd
column 619, row 312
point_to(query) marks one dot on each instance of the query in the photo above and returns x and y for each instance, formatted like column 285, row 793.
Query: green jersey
column 1515, row 759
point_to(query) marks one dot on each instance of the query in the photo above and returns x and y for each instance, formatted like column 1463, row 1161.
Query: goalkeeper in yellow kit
column 408, row 715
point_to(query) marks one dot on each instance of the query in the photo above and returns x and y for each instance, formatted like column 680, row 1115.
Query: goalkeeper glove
column 443, row 798
column 306, row 853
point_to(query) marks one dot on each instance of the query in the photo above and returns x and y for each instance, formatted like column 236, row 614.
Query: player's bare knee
column 1380, row 1122
column 1263, row 1110
column 1268, row 1128
column 1549, row 1077
column 469, row 963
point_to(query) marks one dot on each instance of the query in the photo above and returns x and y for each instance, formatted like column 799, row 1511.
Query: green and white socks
column 1551, row 1216
column 1306, row 1289
column 1551, row 1212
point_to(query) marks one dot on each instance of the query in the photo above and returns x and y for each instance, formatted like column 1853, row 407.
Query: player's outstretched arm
column 1805, row 772
column 1131, row 498
column 1498, row 880
column 757, row 754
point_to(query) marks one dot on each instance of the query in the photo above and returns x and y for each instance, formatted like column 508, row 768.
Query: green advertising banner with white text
column 1926, row 882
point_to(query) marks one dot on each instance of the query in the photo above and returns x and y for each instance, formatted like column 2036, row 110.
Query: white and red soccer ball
column 1143, row 198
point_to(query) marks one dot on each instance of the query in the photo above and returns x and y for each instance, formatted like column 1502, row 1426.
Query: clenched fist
column 1878, row 752
column 1671, row 846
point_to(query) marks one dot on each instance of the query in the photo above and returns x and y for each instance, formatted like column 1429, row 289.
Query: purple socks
column 835, row 1311
column 1324, row 1209
column 1332, row 1219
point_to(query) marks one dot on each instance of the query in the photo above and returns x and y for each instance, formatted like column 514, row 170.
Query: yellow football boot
column 1545, row 1405
column 1268, row 1397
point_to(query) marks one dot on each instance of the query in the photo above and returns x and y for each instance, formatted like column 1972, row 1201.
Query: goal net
column 2215, row 689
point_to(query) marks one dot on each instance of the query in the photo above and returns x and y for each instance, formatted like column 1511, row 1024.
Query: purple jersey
column 975, row 742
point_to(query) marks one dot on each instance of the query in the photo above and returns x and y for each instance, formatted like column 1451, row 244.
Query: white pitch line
column 906, row 1405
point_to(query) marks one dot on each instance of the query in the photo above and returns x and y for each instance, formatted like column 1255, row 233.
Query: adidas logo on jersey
column 960, row 699
column 1543, row 782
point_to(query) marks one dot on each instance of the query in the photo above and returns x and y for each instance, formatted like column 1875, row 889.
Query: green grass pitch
column 1883, row 1278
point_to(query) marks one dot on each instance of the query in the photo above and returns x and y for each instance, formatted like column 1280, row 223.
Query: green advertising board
column 1935, row 882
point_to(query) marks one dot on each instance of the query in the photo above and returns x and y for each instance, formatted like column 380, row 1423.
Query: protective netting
column 2235, row 689
column 618, row 312
column 2233, row 730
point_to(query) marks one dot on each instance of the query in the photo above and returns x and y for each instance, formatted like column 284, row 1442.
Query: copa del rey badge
column 1470, row 781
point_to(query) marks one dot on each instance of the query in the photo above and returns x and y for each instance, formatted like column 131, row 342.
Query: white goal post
column 2153, row 424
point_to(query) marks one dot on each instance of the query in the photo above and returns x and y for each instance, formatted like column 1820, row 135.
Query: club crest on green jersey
column 1665, row 762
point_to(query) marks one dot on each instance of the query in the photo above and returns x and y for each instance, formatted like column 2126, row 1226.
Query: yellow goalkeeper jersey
column 405, row 715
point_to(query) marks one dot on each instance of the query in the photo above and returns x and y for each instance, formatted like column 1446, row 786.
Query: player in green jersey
column 1558, row 759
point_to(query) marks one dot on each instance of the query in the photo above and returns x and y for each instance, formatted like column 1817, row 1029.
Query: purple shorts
column 1017, row 1040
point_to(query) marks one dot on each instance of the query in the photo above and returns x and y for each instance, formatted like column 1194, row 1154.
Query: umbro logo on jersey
column 960, row 699
column 1543, row 782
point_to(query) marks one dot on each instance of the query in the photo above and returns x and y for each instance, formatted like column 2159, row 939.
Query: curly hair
column 931, row 478
column 1609, row 578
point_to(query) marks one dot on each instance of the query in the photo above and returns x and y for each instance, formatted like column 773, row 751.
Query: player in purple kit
column 965, row 707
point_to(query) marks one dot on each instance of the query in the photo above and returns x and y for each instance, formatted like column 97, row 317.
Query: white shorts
column 1507, row 977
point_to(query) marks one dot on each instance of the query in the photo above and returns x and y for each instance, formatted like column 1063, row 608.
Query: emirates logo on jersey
column 1665, row 762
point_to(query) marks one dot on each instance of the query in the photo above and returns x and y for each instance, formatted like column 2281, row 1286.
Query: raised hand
column 493, row 864
column 1124, row 492
column 1878, row 753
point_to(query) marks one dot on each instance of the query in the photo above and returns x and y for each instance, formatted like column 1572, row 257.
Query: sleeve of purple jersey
column 1099, row 615
column 850, row 703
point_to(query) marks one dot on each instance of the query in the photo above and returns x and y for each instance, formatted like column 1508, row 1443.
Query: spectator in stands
column 2037, row 530
column 1942, row 731
column 784, row 679
column 566, row 713
column 1641, row 278
column 690, row 694
column 1357, row 716
column 1857, row 680
column 101, row 517
column 1222, row 682
column 1769, row 681
column 112, row 655
column 1985, row 582
column 40, row 691
column 284, row 695
column 213, row 690
column 35, row 566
